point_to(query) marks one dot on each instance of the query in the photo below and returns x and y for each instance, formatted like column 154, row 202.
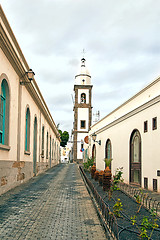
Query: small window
column 155, row 185
column 83, row 124
column 146, row 126
column 154, row 123
column 146, row 183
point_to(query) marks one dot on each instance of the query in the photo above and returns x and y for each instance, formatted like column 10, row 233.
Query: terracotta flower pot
column 96, row 175
column 107, row 179
column 93, row 169
column 100, row 178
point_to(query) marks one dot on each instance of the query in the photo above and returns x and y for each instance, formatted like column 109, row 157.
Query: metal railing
column 147, row 201
column 109, row 218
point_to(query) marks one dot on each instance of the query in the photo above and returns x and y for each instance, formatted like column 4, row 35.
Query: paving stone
column 53, row 205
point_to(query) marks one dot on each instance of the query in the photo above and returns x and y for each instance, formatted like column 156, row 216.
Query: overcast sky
column 121, row 39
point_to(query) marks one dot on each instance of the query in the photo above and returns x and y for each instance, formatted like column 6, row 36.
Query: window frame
column 2, row 115
column 5, row 112
column 27, row 130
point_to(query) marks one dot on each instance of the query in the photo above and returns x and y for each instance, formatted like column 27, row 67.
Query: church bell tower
column 82, row 110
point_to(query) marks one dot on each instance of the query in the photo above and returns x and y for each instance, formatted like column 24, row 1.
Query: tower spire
column 83, row 52
column 83, row 59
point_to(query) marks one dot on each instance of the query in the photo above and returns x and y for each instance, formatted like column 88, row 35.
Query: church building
column 82, row 111
column 29, row 138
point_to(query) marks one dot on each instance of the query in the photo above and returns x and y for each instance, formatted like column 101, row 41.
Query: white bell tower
column 82, row 110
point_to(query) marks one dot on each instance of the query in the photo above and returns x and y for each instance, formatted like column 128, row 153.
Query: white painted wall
column 83, row 114
column 80, row 137
column 119, row 132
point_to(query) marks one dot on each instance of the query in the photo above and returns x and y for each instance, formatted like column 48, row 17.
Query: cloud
column 121, row 40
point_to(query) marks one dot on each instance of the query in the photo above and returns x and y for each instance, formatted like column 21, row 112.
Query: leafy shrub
column 87, row 165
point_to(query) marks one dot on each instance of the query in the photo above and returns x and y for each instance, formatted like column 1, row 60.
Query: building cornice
column 82, row 87
column 130, row 114
column 82, row 105
column 82, row 74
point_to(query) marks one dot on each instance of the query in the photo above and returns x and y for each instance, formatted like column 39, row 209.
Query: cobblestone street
column 53, row 205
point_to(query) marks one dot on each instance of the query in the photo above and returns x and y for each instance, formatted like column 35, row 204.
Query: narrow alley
column 53, row 205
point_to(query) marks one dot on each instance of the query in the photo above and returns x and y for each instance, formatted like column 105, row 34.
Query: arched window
column 135, row 157
column 52, row 147
column 35, row 146
column 43, row 141
column 47, row 146
column 108, row 151
column 27, row 132
column 4, row 113
column 55, row 151
column 83, row 98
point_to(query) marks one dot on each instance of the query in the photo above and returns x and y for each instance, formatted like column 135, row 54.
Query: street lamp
column 30, row 75
column 94, row 136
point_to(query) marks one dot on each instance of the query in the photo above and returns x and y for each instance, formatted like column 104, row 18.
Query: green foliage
column 117, row 208
column 64, row 138
column 147, row 225
column 87, row 165
column 108, row 161
column 116, row 179
column 138, row 196
column 153, row 212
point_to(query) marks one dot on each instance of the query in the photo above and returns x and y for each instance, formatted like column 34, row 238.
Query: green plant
column 147, row 226
column 87, row 165
column 138, row 198
column 116, row 179
column 117, row 208
column 108, row 161
column 153, row 212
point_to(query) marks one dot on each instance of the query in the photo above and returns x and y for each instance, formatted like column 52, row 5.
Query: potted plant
column 107, row 162
column 107, row 175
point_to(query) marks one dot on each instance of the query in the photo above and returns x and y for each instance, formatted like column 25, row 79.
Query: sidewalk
column 53, row 205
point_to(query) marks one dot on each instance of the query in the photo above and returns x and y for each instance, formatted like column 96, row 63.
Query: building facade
column 82, row 111
column 29, row 139
column 130, row 135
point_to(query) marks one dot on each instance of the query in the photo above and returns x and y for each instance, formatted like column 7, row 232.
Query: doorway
column 135, row 158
